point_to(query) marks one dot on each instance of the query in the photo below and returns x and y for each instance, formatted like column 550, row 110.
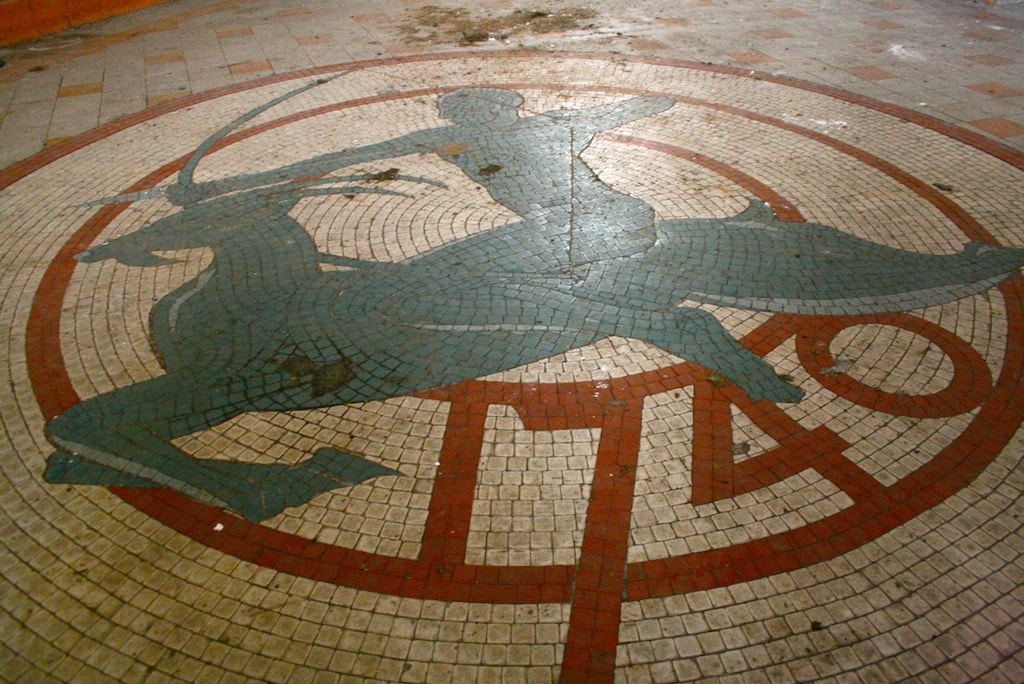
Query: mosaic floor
column 501, row 363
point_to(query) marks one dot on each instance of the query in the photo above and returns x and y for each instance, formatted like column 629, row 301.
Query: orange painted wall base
column 22, row 20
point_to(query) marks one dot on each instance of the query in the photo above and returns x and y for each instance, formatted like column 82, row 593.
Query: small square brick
column 999, row 127
column 80, row 89
column 234, row 33
column 985, row 34
column 161, row 98
column 869, row 73
column 788, row 13
column 772, row 34
column 250, row 66
column 874, row 48
column 166, row 57
column 647, row 45
column 997, row 90
column 990, row 60
column 324, row 39
column 882, row 24
column 753, row 57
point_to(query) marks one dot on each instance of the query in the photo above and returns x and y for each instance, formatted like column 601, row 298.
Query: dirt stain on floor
column 432, row 24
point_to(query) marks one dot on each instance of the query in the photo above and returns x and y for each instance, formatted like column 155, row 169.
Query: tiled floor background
column 939, row 599
column 958, row 60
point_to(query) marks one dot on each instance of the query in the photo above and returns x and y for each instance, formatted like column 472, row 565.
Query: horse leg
column 123, row 438
column 698, row 336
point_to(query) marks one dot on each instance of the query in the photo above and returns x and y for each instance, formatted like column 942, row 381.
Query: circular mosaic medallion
column 522, row 327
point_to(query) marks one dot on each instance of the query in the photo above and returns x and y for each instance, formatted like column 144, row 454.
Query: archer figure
column 265, row 328
column 532, row 165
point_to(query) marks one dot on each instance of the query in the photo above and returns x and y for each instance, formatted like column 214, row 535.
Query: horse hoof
column 281, row 488
column 63, row 467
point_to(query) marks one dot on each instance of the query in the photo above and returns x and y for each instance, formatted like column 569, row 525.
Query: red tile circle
column 615, row 407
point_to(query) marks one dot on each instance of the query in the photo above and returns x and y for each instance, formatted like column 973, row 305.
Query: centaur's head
column 198, row 225
column 475, row 106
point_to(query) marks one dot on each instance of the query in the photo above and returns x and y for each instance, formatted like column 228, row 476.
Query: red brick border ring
column 597, row 584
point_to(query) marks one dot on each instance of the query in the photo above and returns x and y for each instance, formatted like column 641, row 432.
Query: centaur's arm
column 419, row 141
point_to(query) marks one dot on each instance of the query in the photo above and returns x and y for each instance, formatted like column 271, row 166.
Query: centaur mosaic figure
column 264, row 328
